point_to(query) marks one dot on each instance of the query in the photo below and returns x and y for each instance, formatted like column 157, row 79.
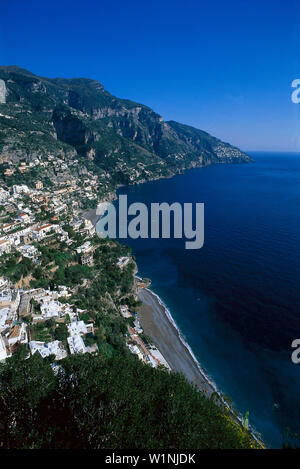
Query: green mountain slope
column 79, row 118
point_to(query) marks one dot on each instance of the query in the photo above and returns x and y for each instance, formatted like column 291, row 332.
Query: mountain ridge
column 78, row 117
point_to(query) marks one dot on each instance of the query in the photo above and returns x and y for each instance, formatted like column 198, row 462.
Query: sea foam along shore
column 159, row 325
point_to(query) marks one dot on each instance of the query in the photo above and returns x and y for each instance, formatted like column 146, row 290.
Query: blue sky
column 223, row 66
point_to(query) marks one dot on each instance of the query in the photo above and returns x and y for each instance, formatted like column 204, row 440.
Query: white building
column 76, row 344
column 40, row 233
column 24, row 218
column 45, row 349
column 3, row 350
column 39, row 185
column 51, row 309
column 125, row 312
column 29, row 251
column 64, row 236
column 5, row 246
column 9, row 227
column 84, row 248
column 4, row 313
column 4, row 195
column 134, row 349
column 22, row 189
column 137, row 327
column 80, row 328
column 3, row 283
column 89, row 227
column 63, row 291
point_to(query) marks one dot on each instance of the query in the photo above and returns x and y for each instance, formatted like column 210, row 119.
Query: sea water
column 237, row 300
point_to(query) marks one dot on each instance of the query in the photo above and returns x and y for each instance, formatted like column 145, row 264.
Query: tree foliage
column 100, row 402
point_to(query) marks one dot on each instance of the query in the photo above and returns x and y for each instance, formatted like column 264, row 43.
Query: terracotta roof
column 44, row 226
column 15, row 332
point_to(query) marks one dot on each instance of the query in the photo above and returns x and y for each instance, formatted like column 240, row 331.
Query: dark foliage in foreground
column 96, row 402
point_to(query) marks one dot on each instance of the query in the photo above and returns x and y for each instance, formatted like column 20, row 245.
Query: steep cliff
column 43, row 116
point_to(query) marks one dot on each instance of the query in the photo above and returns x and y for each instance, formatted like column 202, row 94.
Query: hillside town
column 37, row 313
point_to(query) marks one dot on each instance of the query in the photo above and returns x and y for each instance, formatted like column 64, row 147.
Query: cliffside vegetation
column 100, row 402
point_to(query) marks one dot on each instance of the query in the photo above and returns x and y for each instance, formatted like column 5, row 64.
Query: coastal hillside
column 121, row 141
column 94, row 402
column 77, row 369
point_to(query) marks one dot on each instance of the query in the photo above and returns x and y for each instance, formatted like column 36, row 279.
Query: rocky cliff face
column 42, row 116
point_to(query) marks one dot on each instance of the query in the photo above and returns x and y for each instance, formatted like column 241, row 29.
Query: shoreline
column 158, row 324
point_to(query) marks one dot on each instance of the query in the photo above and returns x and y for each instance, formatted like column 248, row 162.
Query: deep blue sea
column 237, row 300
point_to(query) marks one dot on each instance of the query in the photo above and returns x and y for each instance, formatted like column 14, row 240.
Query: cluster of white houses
column 16, row 307
column 24, row 231
column 22, row 235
